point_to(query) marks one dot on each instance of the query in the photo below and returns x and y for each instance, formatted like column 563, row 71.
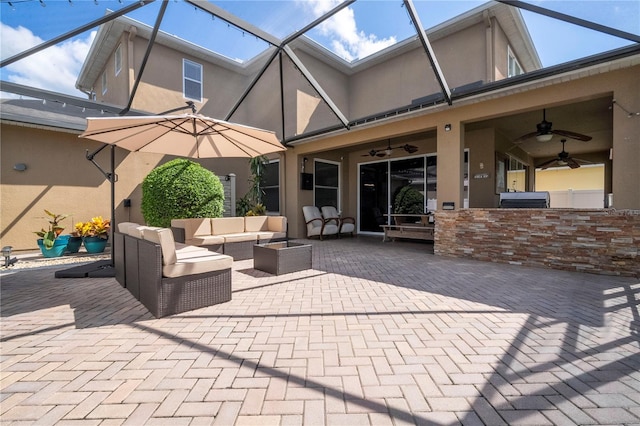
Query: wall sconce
column 304, row 163
column 6, row 252
column 21, row 167
column 447, row 127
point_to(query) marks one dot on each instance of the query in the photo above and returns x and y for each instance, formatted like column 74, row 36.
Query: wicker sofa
column 169, row 277
column 233, row 236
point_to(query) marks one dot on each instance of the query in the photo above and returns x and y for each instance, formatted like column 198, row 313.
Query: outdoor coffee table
column 282, row 257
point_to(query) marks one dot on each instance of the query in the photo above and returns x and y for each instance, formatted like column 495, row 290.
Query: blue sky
column 359, row 30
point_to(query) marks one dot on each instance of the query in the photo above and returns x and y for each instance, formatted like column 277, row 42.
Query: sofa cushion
column 163, row 237
column 197, row 227
column 183, row 249
column 123, row 227
column 137, row 231
column 240, row 237
column 268, row 235
column 256, row 223
column 198, row 265
column 277, row 224
column 206, row 240
column 227, row 225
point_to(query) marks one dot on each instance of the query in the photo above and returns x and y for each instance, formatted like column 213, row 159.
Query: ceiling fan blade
column 546, row 164
column 525, row 137
column 572, row 135
column 410, row 148
column 572, row 163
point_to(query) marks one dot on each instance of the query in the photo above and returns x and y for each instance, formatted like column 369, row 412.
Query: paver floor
column 376, row 333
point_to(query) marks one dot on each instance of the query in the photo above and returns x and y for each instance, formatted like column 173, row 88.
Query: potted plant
column 51, row 243
column 94, row 233
column 75, row 240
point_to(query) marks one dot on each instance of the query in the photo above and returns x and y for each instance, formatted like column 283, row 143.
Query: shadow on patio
column 381, row 330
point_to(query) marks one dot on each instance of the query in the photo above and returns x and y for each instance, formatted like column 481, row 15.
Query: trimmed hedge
column 181, row 189
column 409, row 201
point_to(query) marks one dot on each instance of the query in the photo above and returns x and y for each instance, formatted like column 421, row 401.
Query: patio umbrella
column 184, row 135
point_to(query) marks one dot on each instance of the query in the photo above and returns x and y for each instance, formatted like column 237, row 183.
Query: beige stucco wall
column 60, row 179
column 625, row 173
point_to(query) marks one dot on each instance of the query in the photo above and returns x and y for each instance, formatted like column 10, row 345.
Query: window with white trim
column 271, row 186
column 192, row 80
column 513, row 65
column 326, row 184
column 118, row 59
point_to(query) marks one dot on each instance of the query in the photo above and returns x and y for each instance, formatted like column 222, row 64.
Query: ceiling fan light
column 387, row 151
column 544, row 137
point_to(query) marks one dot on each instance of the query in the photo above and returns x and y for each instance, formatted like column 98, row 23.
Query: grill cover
column 525, row 200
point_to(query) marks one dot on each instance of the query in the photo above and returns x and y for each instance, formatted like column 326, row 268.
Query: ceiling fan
column 563, row 159
column 387, row 151
column 545, row 132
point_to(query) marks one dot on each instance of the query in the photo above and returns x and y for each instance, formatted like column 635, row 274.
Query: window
column 517, row 173
column 326, row 188
column 192, row 80
column 118, row 59
column 513, row 65
column 271, row 186
column 104, row 82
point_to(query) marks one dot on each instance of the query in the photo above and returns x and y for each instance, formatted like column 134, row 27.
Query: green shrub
column 409, row 201
column 180, row 189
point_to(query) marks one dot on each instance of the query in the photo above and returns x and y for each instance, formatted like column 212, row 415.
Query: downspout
column 490, row 71
column 133, row 32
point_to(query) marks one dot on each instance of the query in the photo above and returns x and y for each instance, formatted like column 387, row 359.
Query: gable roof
column 111, row 33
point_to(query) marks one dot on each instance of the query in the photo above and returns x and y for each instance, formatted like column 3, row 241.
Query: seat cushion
column 208, row 240
column 198, row 265
column 330, row 229
column 348, row 227
column 184, row 249
column 268, row 235
column 239, row 237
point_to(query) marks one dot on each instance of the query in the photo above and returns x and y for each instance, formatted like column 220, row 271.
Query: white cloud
column 346, row 40
column 55, row 68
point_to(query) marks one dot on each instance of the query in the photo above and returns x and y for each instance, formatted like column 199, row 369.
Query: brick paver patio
column 377, row 333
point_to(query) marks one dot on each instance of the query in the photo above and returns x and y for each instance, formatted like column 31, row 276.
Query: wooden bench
column 410, row 231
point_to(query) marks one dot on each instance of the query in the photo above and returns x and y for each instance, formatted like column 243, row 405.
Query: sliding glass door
column 406, row 185
column 374, row 196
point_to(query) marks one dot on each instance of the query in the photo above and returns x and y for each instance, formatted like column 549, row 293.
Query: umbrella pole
column 98, row 269
column 112, row 179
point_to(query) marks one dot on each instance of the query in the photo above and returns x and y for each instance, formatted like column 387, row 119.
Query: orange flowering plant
column 96, row 227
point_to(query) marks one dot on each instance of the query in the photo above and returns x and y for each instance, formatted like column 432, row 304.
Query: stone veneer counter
column 601, row 241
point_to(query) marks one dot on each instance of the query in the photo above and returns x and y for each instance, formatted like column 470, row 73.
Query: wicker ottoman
column 282, row 257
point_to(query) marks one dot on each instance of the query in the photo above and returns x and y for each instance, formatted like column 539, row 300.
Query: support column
column 450, row 179
column 626, row 148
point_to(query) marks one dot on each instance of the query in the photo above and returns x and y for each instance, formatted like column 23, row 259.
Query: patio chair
column 317, row 226
column 346, row 225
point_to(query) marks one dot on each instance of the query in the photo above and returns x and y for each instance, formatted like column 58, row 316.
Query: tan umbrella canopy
column 184, row 135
